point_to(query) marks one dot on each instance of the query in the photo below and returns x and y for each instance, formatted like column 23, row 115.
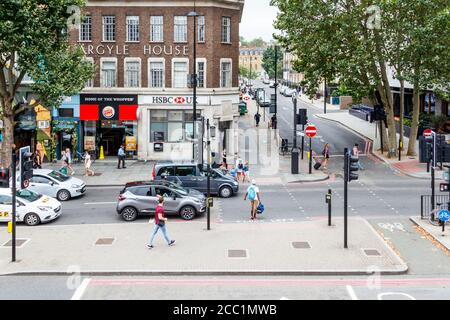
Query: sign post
column 310, row 131
column 428, row 133
column 444, row 216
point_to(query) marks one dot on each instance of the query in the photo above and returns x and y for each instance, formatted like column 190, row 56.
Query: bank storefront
column 165, row 125
column 108, row 121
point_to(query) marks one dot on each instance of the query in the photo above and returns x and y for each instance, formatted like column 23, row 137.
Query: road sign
column 444, row 215
column 310, row 131
column 427, row 133
column 444, row 187
column 246, row 98
column 447, row 176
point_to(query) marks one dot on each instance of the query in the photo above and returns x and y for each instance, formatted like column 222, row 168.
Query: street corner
column 440, row 238
column 305, row 178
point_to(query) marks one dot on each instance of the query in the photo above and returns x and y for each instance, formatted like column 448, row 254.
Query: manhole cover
column 301, row 245
column 19, row 243
column 372, row 252
column 104, row 241
column 237, row 253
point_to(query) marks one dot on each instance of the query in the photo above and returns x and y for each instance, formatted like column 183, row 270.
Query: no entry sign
column 427, row 133
column 246, row 98
column 310, row 131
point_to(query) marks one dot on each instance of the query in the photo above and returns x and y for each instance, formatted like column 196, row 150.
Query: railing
column 425, row 204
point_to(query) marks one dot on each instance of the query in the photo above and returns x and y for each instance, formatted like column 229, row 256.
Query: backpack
column 251, row 193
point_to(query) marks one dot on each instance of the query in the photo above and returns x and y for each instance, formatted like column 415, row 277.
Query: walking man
column 254, row 197
column 257, row 118
column 160, row 223
column 121, row 157
column 355, row 152
column 274, row 122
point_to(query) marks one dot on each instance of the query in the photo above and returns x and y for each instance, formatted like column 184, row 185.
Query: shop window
column 175, row 130
column 65, row 112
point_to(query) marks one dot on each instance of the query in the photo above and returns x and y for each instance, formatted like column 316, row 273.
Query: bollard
column 328, row 201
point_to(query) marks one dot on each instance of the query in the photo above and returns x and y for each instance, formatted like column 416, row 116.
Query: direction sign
column 444, row 215
column 246, row 98
column 427, row 133
column 310, row 131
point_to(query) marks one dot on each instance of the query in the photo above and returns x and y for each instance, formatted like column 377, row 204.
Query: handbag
column 161, row 223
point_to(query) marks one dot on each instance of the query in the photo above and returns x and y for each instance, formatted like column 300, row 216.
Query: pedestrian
column 69, row 161
column 224, row 158
column 274, row 121
column 253, row 195
column 246, row 172
column 121, row 157
column 326, row 156
column 355, row 152
column 239, row 166
column 37, row 160
column 257, row 118
column 87, row 164
column 64, row 163
column 160, row 223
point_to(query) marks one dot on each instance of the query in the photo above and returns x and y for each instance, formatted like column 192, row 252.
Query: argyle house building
column 140, row 95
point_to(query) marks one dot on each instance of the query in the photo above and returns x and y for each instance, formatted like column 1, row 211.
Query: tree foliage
column 268, row 62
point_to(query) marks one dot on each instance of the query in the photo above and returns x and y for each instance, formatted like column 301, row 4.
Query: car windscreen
column 58, row 176
column 28, row 195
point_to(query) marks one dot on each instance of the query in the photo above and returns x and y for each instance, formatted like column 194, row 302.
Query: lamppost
column 295, row 151
column 194, row 14
column 276, row 81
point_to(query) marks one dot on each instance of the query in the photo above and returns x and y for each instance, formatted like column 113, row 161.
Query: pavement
column 435, row 232
column 53, row 250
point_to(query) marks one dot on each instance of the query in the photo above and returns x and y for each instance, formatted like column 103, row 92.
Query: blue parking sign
column 444, row 215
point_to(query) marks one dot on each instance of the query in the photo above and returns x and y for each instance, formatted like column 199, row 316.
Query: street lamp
column 194, row 14
column 295, row 151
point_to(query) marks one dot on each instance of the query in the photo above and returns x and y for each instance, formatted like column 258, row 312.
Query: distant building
column 251, row 58
column 290, row 76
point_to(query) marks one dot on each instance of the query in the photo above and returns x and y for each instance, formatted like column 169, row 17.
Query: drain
column 19, row 243
column 301, row 245
column 104, row 241
column 239, row 253
column 372, row 252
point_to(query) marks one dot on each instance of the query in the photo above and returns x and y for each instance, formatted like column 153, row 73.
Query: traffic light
column 4, row 178
column 302, row 117
column 26, row 167
column 353, row 166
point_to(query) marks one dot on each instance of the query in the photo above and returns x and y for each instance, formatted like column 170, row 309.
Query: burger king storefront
column 108, row 121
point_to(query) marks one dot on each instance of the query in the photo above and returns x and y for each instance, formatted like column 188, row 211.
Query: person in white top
column 69, row 161
column 87, row 164
column 253, row 195
column 239, row 167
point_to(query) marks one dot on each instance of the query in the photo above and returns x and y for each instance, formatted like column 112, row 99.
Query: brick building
column 139, row 96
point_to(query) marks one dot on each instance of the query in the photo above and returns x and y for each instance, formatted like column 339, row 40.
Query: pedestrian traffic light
column 4, row 178
column 353, row 166
column 26, row 167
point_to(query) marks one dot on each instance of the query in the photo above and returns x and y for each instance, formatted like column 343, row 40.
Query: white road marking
column 381, row 295
column 81, row 289
column 98, row 203
column 351, row 292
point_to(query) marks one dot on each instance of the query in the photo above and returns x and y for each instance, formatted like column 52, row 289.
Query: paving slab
column 263, row 249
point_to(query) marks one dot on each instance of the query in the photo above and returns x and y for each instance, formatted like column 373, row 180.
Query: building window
column 156, row 74
column 90, row 82
column 108, row 74
column 86, row 29
column 226, row 29
column 180, row 72
column 171, row 125
column 201, row 73
column 201, row 29
column 156, row 29
column 132, row 74
column 109, row 28
column 180, row 29
column 225, row 75
column 133, row 28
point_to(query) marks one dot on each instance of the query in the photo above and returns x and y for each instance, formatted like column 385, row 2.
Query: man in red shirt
column 160, row 223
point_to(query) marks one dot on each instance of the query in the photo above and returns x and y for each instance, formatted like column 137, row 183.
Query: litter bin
column 335, row 100
column 242, row 108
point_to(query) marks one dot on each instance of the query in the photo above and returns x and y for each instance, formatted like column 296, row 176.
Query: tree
column 268, row 62
column 245, row 72
column 34, row 42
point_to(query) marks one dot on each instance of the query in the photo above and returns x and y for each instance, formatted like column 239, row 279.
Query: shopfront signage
column 172, row 100
column 108, row 107
column 130, row 143
column 124, row 50
column 108, row 112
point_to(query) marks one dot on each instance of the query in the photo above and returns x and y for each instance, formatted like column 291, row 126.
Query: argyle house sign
column 148, row 50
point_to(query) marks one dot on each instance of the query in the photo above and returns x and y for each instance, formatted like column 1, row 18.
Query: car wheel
column 187, row 213
column 225, row 192
column 31, row 219
column 63, row 195
column 129, row 214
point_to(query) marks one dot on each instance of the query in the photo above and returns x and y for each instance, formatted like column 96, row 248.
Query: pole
column 13, row 193
column 194, row 103
column 345, row 195
column 276, row 81
column 208, row 151
column 250, row 76
column 329, row 207
column 400, row 147
column 433, row 165
column 310, row 155
column 381, row 137
column 325, row 97
column 295, row 122
column 303, row 139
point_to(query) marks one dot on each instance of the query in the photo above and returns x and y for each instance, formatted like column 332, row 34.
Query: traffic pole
column 329, row 206
column 303, row 140
column 310, row 155
column 346, row 167
column 208, row 150
column 13, row 193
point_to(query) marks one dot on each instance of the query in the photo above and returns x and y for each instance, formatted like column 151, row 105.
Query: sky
column 257, row 20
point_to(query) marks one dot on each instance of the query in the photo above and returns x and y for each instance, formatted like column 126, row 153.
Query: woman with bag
column 160, row 223
column 87, row 164
column 326, row 156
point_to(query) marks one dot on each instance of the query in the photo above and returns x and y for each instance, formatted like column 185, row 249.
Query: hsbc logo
column 172, row 100
column 179, row 100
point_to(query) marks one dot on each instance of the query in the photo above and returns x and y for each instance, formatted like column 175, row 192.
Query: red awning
column 127, row 112
column 88, row 112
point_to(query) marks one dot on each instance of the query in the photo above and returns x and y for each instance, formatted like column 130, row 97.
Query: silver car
column 142, row 199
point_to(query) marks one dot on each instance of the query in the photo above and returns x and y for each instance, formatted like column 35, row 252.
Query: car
column 55, row 184
column 266, row 81
column 162, row 181
column 194, row 176
column 283, row 88
column 138, row 199
column 31, row 208
column 264, row 101
column 272, row 84
column 289, row 92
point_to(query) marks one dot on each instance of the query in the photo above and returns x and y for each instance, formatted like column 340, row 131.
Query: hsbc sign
column 173, row 100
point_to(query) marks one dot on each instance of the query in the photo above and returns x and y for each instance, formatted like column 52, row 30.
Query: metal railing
column 425, row 204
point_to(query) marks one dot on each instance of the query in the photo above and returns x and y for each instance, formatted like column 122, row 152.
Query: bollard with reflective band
column 10, row 226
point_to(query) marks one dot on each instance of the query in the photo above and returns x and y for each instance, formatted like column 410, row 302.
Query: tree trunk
column 8, row 133
column 389, row 107
column 415, row 120
column 402, row 110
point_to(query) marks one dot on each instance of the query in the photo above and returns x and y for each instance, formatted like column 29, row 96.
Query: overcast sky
column 257, row 20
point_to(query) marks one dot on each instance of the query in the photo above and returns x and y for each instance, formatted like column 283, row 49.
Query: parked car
column 289, row 92
column 282, row 89
column 31, row 208
column 264, row 101
column 160, row 181
column 272, row 84
column 141, row 198
column 266, row 81
column 55, row 184
column 195, row 176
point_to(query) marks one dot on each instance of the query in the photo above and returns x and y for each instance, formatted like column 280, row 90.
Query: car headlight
column 75, row 186
column 235, row 183
column 45, row 208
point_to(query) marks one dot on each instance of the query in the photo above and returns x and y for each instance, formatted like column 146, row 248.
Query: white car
column 266, row 81
column 31, row 208
column 55, row 184
column 289, row 92
column 283, row 89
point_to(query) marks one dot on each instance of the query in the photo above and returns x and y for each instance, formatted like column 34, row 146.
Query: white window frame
column 228, row 34
column 81, row 29
column 149, row 61
column 90, row 82
column 204, row 72
column 102, row 60
column 175, row 40
column 174, row 60
column 225, row 60
column 162, row 30
column 199, row 31
column 104, row 28
column 125, row 77
column 132, row 18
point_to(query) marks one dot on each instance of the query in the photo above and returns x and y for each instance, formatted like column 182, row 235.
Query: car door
column 202, row 181
column 187, row 175
column 43, row 185
column 143, row 199
column 5, row 208
column 170, row 204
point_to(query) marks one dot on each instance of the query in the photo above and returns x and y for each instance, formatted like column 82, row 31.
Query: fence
column 425, row 204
